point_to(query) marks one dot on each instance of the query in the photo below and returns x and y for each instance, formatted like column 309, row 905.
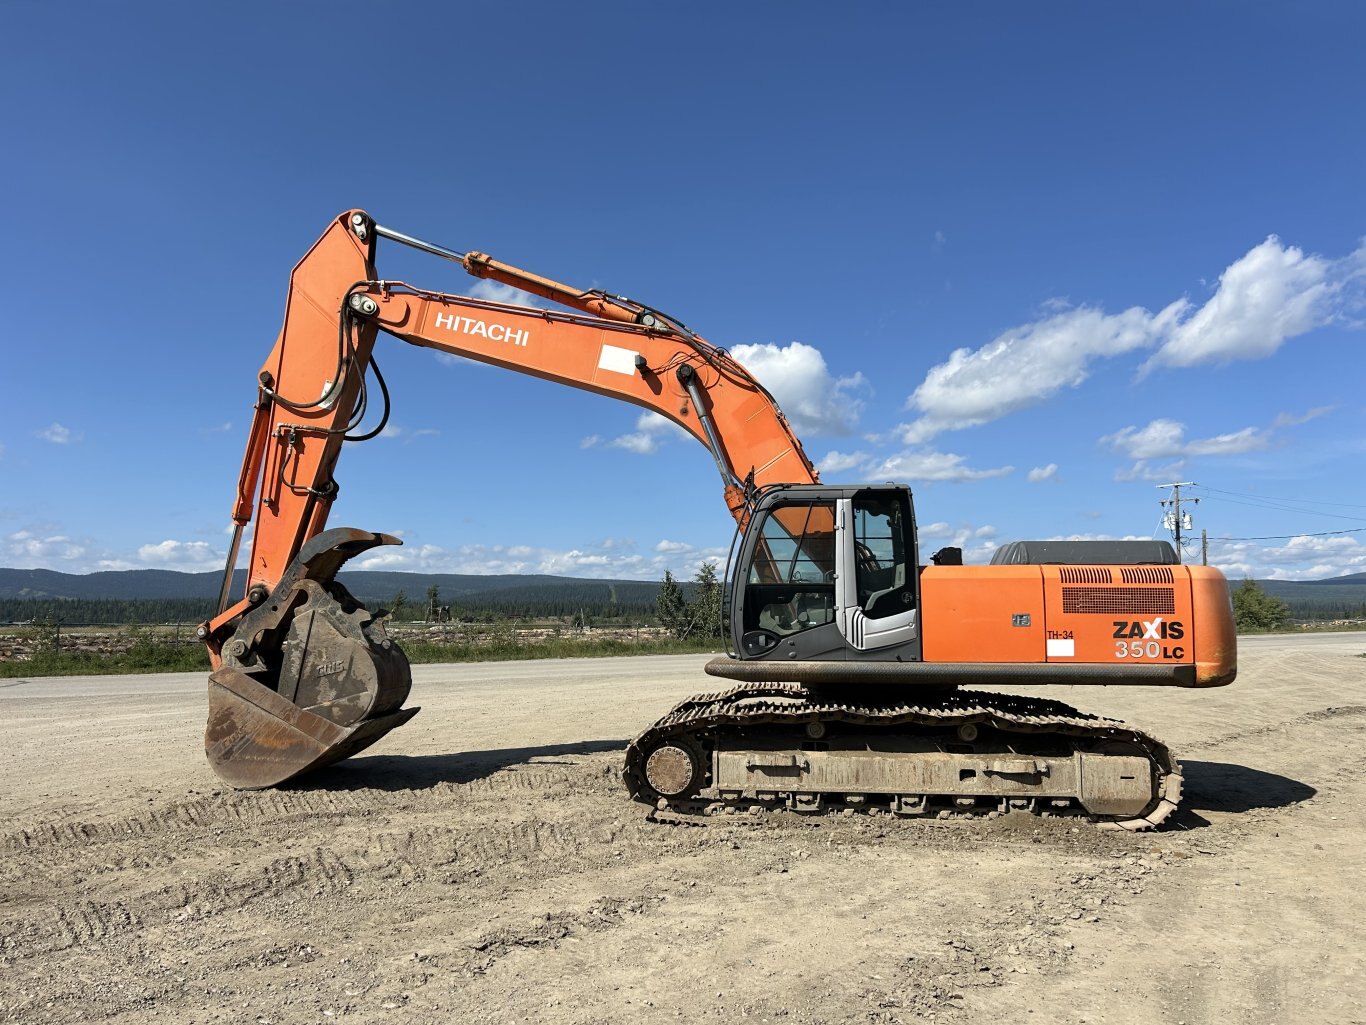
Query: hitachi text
column 470, row 326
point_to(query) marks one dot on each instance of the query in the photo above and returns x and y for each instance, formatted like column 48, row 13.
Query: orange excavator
column 850, row 663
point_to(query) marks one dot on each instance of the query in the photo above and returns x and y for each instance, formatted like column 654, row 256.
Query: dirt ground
column 483, row 865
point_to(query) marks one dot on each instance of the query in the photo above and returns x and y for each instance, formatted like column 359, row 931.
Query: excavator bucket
column 255, row 738
column 308, row 677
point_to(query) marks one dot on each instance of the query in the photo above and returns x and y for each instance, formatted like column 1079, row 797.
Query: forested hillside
column 155, row 596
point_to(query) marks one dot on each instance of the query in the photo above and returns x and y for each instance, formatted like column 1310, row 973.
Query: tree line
column 105, row 611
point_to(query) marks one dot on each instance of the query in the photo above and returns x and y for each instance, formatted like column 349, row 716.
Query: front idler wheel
column 673, row 770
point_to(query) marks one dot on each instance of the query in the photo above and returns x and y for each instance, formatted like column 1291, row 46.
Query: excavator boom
column 304, row 674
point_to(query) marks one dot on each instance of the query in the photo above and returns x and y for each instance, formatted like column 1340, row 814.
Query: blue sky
column 1033, row 261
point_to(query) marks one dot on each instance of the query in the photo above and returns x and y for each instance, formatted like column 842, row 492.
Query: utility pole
column 1204, row 547
column 1173, row 520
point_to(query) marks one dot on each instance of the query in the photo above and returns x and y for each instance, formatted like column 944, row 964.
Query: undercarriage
column 772, row 746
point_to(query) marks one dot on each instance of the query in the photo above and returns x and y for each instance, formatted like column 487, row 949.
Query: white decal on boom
column 493, row 332
column 617, row 360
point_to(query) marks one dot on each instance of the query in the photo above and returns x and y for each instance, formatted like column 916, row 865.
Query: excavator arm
column 303, row 673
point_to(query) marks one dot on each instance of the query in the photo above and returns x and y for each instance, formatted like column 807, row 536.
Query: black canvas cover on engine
column 1085, row 553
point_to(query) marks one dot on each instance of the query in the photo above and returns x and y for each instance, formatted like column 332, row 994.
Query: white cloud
column 928, row 465
column 186, row 556
column 1164, row 438
column 1025, row 365
column 450, row 359
column 839, row 462
column 814, row 401
column 1298, row 558
column 612, row 558
column 651, row 431
column 977, row 542
column 1040, row 473
column 497, row 292
column 28, row 549
column 1292, row 420
column 59, row 435
column 1159, row 438
column 1249, row 439
column 394, row 431
column 1143, row 469
column 1270, row 294
column 911, row 464
column 1274, row 292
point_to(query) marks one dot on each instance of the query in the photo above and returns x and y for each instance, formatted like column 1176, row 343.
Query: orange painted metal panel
column 1216, row 638
column 982, row 614
column 1121, row 614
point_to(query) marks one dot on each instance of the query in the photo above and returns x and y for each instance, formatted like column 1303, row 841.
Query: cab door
column 878, row 582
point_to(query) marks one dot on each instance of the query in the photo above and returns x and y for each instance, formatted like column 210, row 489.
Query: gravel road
column 482, row 864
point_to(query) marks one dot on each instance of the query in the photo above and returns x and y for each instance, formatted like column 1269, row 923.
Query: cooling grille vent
column 1115, row 601
column 1146, row 575
column 1086, row 575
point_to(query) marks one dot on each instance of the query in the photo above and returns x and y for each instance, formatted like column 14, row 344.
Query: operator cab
column 827, row 573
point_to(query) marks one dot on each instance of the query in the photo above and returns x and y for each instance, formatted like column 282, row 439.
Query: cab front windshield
column 791, row 582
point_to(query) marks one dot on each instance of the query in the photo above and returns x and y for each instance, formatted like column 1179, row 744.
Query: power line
column 1291, row 537
column 1273, row 498
column 1289, row 509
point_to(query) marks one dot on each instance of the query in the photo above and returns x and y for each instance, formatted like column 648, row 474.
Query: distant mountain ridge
column 367, row 585
column 1349, row 579
column 381, row 586
column 1333, row 598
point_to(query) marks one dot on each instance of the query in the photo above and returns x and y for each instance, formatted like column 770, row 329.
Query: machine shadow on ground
column 420, row 772
column 1232, row 788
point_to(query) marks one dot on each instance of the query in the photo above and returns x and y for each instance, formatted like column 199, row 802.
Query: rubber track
column 791, row 703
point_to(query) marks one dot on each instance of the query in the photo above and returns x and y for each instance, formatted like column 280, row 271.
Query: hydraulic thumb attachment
column 308, row 676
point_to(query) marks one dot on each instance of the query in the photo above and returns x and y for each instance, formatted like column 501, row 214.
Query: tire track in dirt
column 489, row 858
column 360, row 858
column 1314, row 718
column 255, row 808
column 88, row 920
column 546, row 932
